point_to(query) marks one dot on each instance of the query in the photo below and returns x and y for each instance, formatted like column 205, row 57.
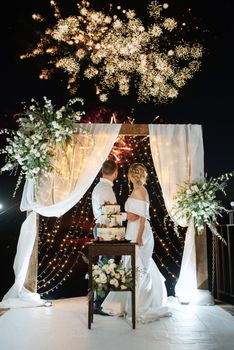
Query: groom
column 102, row 193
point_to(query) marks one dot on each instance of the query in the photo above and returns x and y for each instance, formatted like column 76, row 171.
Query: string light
column 59, row 255
column 62, row 249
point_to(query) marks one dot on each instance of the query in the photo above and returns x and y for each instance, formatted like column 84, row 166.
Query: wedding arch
column 178, row 156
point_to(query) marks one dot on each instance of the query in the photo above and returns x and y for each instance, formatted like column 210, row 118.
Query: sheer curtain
column 178, row 156
column 77, row 166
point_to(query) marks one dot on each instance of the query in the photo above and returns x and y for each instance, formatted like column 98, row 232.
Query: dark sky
column 207, row 99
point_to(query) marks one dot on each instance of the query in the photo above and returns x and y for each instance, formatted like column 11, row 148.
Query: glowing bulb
column 48, row 303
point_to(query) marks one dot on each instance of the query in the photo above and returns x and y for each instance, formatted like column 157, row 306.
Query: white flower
column 195, row 188
column 195, row 202
column 111, row 261
column 114, row 282
column 123, row 287
column 115, row 279
column 108, row 270
column 112, row 266
column 33, row 145
column 103, row 278
column 55, row 125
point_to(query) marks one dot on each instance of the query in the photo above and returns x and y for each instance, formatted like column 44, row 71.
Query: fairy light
column 60, row 254
column 58, row 269
column 169, row 247
column 157, row 194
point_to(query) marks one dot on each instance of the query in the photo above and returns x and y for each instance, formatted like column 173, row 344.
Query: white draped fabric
column 78, row 165
column 178, row 156
column 177, row 152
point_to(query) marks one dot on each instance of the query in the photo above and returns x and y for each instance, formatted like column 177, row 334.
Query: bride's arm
column 140, row 231
column 132, row 216
column 140, row 193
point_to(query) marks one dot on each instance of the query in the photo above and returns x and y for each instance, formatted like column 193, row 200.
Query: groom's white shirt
column 103, row 192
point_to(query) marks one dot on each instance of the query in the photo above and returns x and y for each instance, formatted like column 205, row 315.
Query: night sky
column 207, row 99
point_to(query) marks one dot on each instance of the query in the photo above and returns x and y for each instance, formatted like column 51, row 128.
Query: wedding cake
column 110, row 223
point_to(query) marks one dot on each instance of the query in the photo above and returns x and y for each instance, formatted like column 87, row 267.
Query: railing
column 224, row 262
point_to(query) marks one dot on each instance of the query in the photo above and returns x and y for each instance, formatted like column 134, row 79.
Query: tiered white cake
column 111, row 223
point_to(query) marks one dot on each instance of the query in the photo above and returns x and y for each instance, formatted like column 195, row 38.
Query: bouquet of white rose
column 32, row 146
column 198, row 202
column 110, row 276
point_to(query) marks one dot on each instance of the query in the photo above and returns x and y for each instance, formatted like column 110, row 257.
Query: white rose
column 103, row 278
column 95, row 272
column 108, row 270
column 116, row 283
column 123, row 287
column 55, row 124
column 112, row 266
column 113, row 281
column 104, row 267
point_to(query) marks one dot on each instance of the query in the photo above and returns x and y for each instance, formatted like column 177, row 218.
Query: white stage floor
column 64, row 327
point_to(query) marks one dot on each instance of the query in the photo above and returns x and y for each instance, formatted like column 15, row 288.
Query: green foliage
column 32, row 146
column 110, row 276
column 197, row 201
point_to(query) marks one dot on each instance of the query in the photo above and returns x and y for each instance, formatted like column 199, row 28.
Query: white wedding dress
column 151, row 293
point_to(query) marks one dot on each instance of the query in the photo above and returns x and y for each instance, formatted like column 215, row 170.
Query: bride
column 151, row 294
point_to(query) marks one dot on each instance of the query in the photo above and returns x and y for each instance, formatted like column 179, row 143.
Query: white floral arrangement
column 198, row 202
column 41, row 127
column 110, row 276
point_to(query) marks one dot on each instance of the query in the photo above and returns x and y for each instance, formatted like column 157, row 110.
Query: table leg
column 90, row 301
column 133, row 290
column 89, row 314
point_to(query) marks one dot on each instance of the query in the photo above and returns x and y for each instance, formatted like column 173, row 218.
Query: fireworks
column 117, row 51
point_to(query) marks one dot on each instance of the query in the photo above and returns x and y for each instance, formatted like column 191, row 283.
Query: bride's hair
column 138, row 173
